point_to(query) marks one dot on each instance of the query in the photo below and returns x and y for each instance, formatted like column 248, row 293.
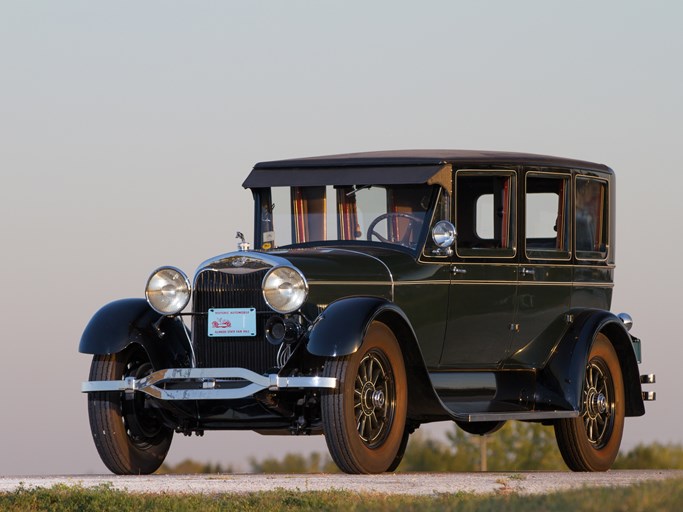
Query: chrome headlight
column 284, row 289
column 168, row 290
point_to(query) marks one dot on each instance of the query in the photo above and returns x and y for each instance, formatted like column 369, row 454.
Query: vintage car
column 384, row 290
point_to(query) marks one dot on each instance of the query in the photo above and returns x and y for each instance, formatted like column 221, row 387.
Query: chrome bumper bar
column 650, row 378
column 247, row 383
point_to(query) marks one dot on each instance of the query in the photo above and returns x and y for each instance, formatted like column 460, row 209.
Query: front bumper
column 216, row 384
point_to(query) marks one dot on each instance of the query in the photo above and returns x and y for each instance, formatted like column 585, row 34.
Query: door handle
column 527, row 271
column 457, row 270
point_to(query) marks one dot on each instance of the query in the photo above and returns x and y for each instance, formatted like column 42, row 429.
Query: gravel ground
column 403, row 483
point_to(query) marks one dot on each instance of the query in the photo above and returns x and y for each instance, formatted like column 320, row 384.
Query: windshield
column 387, row 214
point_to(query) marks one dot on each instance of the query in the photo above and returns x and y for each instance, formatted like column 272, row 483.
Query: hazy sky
column 127, row 128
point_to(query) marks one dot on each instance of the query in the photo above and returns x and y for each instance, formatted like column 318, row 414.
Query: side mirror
column 443, row 234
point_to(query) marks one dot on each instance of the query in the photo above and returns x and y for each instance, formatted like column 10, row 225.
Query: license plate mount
column 231, row 322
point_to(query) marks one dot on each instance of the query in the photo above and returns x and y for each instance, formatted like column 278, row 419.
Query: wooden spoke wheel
column 364, row 418
column 590, row 442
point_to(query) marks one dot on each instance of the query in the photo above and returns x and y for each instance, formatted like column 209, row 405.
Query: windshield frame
column 262, row 195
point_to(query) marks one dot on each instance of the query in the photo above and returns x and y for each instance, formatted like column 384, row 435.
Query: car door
column 482, row 292
column 422, row 290
column 545, row 271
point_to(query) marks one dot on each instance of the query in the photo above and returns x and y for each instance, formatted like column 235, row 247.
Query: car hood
column 337, row 264
column 331, row 272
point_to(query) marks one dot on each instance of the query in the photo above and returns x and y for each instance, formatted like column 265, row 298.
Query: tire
column 590, row 442
column 130, row 438
column 364, row 418
column 400, row 453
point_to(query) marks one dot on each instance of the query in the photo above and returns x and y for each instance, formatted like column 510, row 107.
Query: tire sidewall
column 117, row 450
column 601, row 459
column 379, row 337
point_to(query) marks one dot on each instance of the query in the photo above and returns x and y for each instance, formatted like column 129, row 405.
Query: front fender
column 340, row 329
column 123, row 322
column 561, row 380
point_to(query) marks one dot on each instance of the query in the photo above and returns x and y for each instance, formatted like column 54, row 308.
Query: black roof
column 404, row 166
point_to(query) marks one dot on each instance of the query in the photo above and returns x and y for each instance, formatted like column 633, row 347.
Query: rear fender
column 560, row 382
column 123, row 322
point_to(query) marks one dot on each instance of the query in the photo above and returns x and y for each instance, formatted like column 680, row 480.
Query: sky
column 127, row 129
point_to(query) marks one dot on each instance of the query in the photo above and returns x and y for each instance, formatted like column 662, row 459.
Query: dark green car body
column 497, row 324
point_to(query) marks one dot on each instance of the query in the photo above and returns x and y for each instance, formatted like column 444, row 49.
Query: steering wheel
column 414, row 223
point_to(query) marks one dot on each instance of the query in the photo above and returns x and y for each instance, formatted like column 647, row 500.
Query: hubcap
column 142, row 425
column 598, row 416
column 374, row 398
column 378, row 399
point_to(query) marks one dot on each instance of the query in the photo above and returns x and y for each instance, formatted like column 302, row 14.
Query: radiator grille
column 214, row 289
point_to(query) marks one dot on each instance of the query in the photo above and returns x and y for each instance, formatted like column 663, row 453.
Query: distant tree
column 516, row 447
column 294, row 463
column 427, row 454
column 188, row 466
column 651, row 456
column 520, row 446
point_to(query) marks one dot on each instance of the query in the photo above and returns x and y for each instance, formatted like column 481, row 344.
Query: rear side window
column 591, row 218
column 547, row 216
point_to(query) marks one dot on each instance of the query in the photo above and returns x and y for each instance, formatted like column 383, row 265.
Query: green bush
column 517, row 446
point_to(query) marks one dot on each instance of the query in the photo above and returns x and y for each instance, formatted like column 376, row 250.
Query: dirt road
column 398, row 483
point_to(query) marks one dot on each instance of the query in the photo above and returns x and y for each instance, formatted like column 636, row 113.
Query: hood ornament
column 243, row 245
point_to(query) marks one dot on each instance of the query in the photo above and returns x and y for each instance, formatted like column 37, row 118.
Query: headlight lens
column 168, row 290
column 284, row 289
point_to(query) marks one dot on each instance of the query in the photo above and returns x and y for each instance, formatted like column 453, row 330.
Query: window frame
column 425, row 255
column 606, row 211
column 264, row 197
column 555, row 255
column 490, row 253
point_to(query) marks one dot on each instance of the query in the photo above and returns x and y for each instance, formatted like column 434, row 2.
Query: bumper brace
column 243, row 383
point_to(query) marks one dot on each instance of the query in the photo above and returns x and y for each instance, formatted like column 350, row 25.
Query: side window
column 485, row 213
column 547, row 216
column 591, row 218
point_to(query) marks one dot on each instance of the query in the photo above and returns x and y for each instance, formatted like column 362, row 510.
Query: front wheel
column 364, row 418
column 590, row 442
column 130, row 437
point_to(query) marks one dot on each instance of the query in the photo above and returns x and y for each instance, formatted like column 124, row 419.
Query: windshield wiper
column 356, row 189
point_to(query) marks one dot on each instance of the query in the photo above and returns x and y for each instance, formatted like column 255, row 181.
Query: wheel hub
column 372, row 398
column 378, row 399
column 366, row 398
column 597, row 403
column 373, row 403
column 141, row 424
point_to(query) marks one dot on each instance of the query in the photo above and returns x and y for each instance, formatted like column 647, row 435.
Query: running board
column 476, row 396
column 473, row 417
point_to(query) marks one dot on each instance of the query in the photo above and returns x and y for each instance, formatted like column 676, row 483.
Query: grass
column 659, row 496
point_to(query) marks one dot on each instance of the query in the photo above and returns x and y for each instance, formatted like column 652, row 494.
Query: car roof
column 402, row 166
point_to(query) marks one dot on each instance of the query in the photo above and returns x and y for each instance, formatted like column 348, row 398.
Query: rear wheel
column 364, row 417
column 401, row 451
column 590, row 442
column 129, row 436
